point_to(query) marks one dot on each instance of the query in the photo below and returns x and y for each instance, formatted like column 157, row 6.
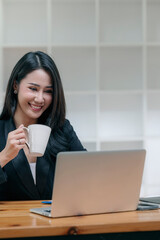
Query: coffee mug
column 38, row 136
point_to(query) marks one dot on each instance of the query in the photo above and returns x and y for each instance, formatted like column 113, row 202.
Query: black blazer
column 16, row 181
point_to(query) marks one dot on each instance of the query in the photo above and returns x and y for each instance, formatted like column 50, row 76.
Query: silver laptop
column 95, row 182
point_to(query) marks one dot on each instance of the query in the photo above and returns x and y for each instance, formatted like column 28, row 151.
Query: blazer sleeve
column 3, row 176
column 73, row 140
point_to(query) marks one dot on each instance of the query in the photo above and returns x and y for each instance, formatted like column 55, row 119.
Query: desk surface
column 17, row 221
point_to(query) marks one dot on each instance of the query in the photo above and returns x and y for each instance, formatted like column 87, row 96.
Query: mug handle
column 27, row 130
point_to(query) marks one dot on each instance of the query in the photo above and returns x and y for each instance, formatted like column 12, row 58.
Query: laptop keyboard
column 47, row 210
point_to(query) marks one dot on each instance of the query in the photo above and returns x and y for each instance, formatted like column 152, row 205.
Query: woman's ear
column 15, row 87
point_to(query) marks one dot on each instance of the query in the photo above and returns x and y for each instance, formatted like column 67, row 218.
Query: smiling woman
column 34, row 95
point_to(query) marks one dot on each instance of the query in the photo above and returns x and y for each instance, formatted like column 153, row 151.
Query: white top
column 33, row 171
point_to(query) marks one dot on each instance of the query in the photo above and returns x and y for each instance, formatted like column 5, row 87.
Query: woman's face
column 34, row 96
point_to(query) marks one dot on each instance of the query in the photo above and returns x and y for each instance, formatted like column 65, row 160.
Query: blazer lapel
column 23, row 170
column 42, row 170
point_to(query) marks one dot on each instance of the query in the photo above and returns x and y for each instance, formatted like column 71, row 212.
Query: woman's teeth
column 36, row 107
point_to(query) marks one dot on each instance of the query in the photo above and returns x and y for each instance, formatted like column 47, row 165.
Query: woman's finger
column 21, row 141
column 20, row 135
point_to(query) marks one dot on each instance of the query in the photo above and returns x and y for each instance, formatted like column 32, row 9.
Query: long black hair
column 54, row 116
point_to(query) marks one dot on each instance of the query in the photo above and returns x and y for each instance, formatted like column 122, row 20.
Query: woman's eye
column 33, row 89
column 49, row 91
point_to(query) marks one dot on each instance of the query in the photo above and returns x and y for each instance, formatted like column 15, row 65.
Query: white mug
column 38, row 136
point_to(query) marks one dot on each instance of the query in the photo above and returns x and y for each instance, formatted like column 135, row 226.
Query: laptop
column 95, row 183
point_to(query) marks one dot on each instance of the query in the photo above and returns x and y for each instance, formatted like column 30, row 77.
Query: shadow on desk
column 108, row 236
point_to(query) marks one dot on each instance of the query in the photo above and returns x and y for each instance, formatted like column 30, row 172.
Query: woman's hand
column 15, row 142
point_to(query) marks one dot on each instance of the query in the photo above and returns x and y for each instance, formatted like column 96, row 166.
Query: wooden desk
column 17, row 221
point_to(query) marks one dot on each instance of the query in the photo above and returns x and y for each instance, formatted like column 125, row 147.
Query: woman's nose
column 39, row 97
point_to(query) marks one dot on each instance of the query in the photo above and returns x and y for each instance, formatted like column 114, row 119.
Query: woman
column 34, row 95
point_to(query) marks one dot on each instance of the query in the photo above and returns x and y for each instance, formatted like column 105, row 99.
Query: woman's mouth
column 35, row 107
